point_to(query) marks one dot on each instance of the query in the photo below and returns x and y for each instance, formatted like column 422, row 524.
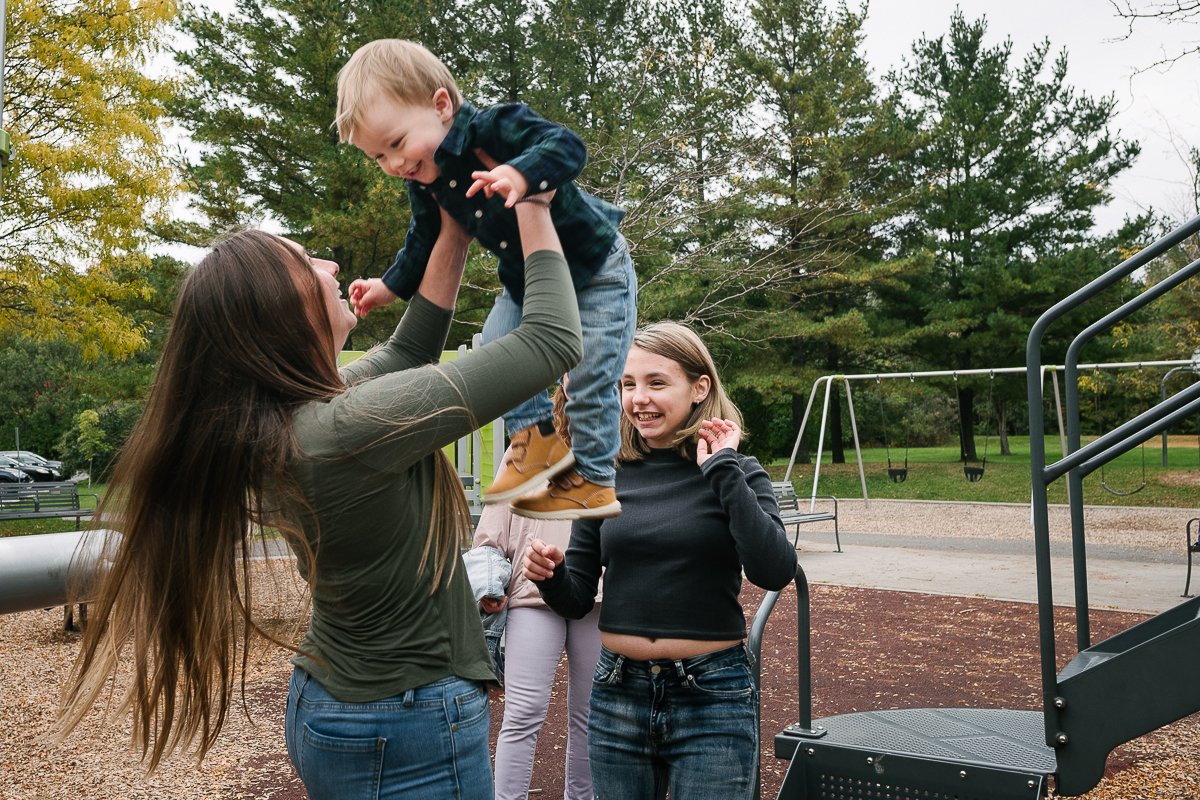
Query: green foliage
column 89, row 172
column 1011, row 165
column 92, row 440
column 803, row 218
column 92, row 443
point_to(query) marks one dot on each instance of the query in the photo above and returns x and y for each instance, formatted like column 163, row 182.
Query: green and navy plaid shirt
column 550, row 156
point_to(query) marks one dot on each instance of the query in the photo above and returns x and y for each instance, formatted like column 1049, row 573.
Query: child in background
column 536, row 639
column 400, row 106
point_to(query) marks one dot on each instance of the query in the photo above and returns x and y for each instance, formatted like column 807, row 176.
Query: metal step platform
column 926, row 753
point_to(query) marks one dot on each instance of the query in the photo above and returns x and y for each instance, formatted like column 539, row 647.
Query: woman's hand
column 716, row 434
column 540, row 560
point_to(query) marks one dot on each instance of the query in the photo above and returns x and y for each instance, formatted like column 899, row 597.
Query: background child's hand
column 493, row 605
column 369, row 294
column 540, row 560
column 500, row 179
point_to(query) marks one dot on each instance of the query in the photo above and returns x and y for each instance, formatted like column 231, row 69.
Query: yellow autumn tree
column 89, row 171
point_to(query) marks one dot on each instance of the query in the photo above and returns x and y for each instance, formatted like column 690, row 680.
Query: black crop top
column 673, row 559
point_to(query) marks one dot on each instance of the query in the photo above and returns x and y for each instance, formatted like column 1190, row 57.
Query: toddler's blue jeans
column 608, row 315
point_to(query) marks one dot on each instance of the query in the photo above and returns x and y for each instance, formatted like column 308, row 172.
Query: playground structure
column 1109, row 693
column 827, row 381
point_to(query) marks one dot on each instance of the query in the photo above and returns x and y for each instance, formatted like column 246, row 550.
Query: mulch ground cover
column 876, row 649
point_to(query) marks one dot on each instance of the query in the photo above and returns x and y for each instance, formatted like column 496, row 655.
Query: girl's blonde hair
column 680, row 344
column 401, row 70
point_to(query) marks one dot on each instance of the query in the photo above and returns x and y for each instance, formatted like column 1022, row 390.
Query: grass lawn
column 934, row 473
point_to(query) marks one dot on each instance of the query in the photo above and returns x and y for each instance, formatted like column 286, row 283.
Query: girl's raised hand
column 716, row 434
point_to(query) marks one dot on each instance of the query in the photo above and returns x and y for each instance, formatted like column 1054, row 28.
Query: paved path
column 1146, row 579
column 1119, row 578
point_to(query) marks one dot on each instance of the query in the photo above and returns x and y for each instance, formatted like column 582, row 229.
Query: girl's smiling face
column 657, row 396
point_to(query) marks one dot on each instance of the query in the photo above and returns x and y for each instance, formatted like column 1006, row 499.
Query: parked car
column 28, row 457
column 34, row 471
column 14, row 476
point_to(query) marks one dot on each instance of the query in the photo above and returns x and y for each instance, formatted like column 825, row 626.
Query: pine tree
column 826, row 189
column 1012, row 164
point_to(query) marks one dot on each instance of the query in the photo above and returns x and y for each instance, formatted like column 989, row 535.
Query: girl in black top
column 674, row 703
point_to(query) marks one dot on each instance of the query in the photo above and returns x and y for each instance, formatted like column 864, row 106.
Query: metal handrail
column 803, row 658
column 1096, row 453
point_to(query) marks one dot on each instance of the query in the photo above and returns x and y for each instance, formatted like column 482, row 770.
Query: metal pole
column 48, row 569
column 1162, row 388
column 812, row 395
column 821, row 437
column 862, row 475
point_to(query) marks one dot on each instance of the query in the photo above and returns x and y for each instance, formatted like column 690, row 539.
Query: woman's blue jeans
column 430, row 743
column 687, row 725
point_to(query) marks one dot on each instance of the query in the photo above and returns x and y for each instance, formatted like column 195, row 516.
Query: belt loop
column 679, row 669
column 409, row 697
column 619, row 664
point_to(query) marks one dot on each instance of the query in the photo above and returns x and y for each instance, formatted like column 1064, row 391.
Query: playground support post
column 1162, row 390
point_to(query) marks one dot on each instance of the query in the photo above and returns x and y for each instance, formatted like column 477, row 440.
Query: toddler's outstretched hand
column 369, row 294
column 506, row 181
column 540, row 560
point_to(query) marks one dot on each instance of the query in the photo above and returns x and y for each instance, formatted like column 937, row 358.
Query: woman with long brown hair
column 249, row 423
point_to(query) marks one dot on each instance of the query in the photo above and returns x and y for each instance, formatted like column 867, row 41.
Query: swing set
column 972, row 470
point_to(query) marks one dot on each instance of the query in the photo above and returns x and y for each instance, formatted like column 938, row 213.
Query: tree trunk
column 837, row 445
column 798, row 403
column 966, row 424
column 1002, row 427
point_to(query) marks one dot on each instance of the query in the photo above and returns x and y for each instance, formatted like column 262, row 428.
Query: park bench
column 43, row 500
column 791, row 513
column 1192, row 541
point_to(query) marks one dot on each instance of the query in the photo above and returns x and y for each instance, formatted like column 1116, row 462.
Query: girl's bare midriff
column 644, row 648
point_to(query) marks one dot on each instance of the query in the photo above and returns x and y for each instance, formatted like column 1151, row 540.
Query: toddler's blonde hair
column 395, row 68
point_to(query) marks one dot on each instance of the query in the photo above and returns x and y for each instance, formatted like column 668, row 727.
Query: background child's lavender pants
column 534, row 639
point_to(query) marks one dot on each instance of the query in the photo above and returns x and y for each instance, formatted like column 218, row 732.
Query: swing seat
column 974, row 474
column 898, row 474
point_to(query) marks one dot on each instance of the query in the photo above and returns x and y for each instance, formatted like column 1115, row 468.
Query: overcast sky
column 1160, row 108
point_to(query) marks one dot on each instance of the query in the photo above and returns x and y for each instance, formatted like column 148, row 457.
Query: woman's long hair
column 680, row 344
column 205, row 466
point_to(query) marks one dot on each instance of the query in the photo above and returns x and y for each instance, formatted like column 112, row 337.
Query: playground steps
column 961, row 753
column 1147, row 677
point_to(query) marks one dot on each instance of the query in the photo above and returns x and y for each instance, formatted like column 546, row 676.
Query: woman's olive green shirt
column 365, row 466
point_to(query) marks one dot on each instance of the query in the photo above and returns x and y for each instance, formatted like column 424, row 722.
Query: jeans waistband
column 680, row 667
